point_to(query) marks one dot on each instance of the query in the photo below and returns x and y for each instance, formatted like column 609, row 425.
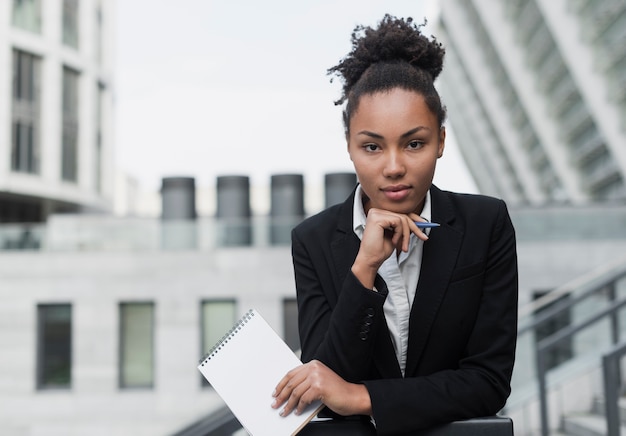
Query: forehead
column 394, row 108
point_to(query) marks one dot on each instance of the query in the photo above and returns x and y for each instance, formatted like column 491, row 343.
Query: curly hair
column 394, row 55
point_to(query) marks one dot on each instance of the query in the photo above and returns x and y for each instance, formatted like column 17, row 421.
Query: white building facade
column 535, row 96
column 56, row 124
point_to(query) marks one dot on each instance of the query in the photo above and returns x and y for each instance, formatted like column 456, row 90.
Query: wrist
column 363, row 402
column 364, row 274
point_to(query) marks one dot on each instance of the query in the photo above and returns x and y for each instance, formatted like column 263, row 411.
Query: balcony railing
column 106, row 233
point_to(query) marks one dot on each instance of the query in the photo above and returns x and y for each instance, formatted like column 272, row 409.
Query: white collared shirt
column 401, row 274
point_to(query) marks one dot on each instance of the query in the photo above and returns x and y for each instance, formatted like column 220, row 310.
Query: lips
column 396, row 192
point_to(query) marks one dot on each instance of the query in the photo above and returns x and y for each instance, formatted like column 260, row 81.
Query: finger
column 284, row 387
column 406, row 234
column 305, row 400
column 420, row 233
column 294, row 399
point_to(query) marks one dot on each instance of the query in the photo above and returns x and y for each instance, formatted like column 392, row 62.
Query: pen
column 425, row 225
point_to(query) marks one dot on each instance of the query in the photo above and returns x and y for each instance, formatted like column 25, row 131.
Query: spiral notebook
column 244, row 367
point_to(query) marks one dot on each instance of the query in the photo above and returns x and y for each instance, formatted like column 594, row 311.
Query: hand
column 385, row 232
column 315, row 381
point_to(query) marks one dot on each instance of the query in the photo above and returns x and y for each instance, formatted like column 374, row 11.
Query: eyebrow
column 404, row 135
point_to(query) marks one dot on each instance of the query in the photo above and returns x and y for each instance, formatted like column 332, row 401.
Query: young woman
column 412, row 326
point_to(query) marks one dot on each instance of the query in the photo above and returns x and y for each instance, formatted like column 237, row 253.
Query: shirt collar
column 358, row 213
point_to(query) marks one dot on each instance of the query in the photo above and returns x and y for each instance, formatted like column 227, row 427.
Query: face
column 394, row 143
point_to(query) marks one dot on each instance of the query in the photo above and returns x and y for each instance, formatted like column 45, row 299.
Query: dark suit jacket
column 463, row 323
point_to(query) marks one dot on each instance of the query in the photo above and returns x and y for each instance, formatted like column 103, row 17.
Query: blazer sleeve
column 480, row 384
column 338, row 328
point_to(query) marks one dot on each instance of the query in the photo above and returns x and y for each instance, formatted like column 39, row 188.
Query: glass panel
column 99, row 132
column 54, row 346
column 69, row 159
column 25, row 113
column 290, row 323
column 27, row 15
column 99, row 32
column 136, row 345
column 70, row 23
column 218, row 316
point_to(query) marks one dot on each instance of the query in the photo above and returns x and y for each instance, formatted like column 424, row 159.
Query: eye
column 415, row 145
column 370, row 147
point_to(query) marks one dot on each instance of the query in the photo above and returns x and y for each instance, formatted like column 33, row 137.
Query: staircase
column 571, row 344
column 594, row 422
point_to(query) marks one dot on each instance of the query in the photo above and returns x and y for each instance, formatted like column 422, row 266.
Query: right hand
column 385, row 232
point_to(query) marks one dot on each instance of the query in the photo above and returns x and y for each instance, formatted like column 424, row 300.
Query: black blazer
column 463, row 323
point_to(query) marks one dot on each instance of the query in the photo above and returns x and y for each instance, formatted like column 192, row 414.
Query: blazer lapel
column 344, row 247
column 438, row 261
column 344, row 244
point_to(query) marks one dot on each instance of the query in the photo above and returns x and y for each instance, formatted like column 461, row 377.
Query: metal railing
column 612, row 381
column 551, row 342
column 598, row 284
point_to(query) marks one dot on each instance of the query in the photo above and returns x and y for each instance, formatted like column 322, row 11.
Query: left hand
column 315, row 381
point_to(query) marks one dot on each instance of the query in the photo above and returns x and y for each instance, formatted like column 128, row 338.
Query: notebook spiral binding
column 228, row 336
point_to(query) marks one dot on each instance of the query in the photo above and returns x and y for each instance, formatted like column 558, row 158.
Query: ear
column 442, row 141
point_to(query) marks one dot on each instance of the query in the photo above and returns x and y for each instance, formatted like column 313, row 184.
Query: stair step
column 586, row 425
column 599, row 408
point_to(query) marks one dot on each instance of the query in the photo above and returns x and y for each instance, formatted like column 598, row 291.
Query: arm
column 341, row 327
column 479, row 382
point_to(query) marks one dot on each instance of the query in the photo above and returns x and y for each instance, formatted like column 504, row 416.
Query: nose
column 394, row 165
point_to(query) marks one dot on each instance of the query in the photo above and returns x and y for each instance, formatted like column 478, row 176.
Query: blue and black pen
column 425, row 225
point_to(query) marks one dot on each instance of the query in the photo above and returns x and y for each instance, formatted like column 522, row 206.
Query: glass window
column 99, row 32
column 70, row 23
column 25, row 113
column 217, row 317
column 69, row 157
column 27, row 15
column 54, row 346
column 290, row 323
column 98, row 143
column 136, row 345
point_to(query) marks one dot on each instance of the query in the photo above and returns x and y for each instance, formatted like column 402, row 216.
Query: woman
column 412, row 326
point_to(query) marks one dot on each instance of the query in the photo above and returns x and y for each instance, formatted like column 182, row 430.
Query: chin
column 400, row 208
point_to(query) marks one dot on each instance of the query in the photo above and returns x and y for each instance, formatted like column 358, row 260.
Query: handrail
column 593, row 280
column 555, row 339
column 612, row 379
column 222, row 422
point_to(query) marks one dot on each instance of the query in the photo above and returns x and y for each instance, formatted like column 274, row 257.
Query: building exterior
column 535, row 95
column 103, row 324
column 56, row 142
column 106, row 320
column 103, row 318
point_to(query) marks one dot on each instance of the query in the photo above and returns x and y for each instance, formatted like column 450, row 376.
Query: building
column 535, row 94
column 104, row 323
column 104, row 318
column 107, row 319
column 56, row 136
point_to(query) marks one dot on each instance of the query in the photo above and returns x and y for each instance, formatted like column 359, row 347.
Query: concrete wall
column 95, row 283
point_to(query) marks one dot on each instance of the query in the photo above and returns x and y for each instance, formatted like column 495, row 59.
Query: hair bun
column 394, row 40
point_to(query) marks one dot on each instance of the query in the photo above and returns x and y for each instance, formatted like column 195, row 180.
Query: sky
column 207, row 88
